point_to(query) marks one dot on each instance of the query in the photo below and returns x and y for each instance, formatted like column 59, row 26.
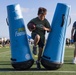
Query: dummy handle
column 63, row 17
column 69, row 20
column 7, row 22
column 13, row 59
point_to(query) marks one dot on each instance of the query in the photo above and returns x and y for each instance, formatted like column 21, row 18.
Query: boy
column 38, row 33
column 73, row 37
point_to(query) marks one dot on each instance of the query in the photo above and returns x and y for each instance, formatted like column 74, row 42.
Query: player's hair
column 42, row 10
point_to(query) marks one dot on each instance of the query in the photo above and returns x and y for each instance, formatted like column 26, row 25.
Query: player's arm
column 46, row 29
column 47, row 26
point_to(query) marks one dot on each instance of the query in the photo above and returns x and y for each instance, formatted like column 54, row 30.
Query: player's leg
column 41, row 45
column 36, row 40
column 74, row 60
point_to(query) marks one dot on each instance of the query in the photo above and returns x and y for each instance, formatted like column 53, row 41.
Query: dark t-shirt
column 74, row 25
column 39, row 25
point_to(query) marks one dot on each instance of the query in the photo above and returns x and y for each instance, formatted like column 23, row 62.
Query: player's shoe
column 38, row 65
column 74, row 61
column 34, row 50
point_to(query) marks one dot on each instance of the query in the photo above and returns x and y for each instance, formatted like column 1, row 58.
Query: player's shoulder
column 74, row 24
column 35, row 18
column 45, row 20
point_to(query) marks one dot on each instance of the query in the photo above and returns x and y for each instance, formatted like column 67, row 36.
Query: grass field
column 6, row 69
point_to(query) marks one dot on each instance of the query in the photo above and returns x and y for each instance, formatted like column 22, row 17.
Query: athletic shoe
column 38, row 65
column 34, row 50
column 74, row 61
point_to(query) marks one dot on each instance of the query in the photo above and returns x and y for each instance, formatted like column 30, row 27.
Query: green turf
column 7, row 69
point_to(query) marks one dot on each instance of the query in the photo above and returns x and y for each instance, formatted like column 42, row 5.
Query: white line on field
column 44, row 71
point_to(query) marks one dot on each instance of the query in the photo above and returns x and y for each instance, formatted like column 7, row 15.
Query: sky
column 29, row 10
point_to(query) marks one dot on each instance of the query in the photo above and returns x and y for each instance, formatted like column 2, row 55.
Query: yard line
column 43, row 71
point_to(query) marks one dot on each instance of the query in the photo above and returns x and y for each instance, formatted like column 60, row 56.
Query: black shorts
column 41, row 42
column 74, row 37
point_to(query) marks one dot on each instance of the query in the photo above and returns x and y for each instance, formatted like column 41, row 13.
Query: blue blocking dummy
column 53, row 55
column 20, row 51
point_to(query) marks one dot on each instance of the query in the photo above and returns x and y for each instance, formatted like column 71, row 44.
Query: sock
column 74, row 58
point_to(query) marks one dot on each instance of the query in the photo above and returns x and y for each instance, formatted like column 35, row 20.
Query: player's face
column 41, row 16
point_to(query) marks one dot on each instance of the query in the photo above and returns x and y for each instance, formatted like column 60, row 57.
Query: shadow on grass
column 68, row 62
column 29, row 70
column 6, row 69
column 5, row 62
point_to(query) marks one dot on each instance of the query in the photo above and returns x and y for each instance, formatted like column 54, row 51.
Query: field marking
column 43, row 71
column 55, row 71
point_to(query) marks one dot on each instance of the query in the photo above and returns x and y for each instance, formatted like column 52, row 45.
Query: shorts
column 41, row 42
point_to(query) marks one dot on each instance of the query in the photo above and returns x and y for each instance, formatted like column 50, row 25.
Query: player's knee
column 38, row 37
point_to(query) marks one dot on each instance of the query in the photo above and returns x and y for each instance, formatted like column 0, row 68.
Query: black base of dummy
column 50, row 65
column 23, row 65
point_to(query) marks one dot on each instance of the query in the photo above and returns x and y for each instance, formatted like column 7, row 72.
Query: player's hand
column 46, row 29
column 31, row 29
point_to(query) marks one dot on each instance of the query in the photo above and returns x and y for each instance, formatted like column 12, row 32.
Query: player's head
column 41, row 13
